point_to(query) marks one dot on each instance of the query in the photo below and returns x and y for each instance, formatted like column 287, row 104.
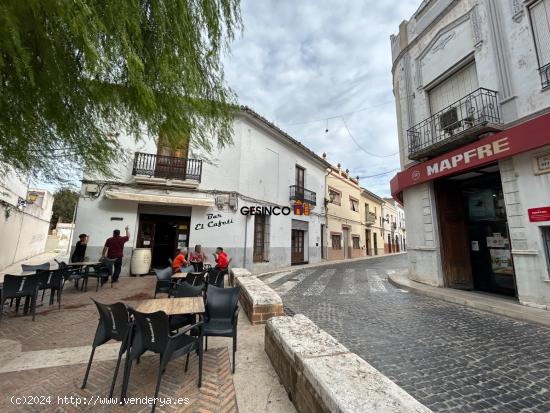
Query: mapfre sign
column 522, row 138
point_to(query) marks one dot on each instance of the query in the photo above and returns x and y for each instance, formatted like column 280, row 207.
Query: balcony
column 456, row 125
column 161, row 169
column 298, row 193
column 371, row 219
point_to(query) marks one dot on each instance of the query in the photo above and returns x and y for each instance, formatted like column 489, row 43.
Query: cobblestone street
column 449, row 357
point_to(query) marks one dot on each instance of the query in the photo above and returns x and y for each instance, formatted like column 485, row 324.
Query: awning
column 525, row 137
column 159, row 199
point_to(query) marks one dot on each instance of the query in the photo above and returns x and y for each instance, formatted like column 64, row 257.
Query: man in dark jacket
column 79, row 253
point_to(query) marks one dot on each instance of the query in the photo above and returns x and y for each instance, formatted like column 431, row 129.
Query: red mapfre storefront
column 518, row 139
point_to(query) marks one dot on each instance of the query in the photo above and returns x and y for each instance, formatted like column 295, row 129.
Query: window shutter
column 540, row 18
column 453, row 89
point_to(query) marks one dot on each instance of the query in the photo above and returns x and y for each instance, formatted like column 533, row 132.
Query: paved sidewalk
column 49, row 356
column 486, row 302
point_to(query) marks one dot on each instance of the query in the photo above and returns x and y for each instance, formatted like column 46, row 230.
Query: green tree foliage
column 75, row 73
column 63, row 206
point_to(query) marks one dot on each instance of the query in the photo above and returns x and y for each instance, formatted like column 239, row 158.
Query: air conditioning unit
column 449, row 120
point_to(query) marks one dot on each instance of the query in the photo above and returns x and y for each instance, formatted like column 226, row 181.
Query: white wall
column 24, row 231
column 93, row 218
column 532, row 272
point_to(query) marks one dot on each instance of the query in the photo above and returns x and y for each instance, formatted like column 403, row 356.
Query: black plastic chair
column 151, row 332
column 101, row 272
column 199, row 266
column 216, row 277
column 52, row 280
column 222, row 314
column 114, row 324
column 20, row 286
column 72, row 273
column 28, row 267
column 184, row 290
column 195, row 278
column 164, row 281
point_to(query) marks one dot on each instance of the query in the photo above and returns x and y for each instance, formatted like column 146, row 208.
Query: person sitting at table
column 79, row 252
column 221, row 258
column 180, row 263
column 197, row 258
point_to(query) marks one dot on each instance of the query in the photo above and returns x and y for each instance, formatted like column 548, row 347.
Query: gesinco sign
column 525, row 137
column 263, row 210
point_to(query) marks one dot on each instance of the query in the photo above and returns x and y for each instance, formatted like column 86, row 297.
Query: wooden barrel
column 141, row 261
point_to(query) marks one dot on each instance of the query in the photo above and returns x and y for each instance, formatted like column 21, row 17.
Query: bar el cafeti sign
column 522, row 138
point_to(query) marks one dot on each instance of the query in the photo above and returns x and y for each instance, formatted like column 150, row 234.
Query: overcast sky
column 300, row 62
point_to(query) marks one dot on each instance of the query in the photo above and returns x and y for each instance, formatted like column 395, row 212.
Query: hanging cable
column 380, row 174
column 342, row 114
column 363, row 149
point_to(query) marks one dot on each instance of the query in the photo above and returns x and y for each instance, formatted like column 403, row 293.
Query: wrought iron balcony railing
column 168, row 167
column 545, row 75
column 298, row 193
column 371, row 218
column 458, row 124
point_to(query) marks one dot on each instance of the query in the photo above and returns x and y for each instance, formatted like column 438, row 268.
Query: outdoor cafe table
column 179, row 276
column 83, row 263
column 173, row 306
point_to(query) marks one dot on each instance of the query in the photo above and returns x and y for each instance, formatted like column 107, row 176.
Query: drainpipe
column 325, row 250
column 73, row 228
column 245, row 237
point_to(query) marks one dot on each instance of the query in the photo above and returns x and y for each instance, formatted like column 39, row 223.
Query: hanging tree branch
column 73, row 72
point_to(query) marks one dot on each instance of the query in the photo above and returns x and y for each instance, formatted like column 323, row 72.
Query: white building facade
column 24, row 219
column 393, row 224
column 471, row 80
column 171, row 202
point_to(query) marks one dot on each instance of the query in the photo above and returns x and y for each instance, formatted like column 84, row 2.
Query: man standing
column 114, row 250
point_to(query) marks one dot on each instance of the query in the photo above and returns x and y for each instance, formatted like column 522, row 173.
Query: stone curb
column 479, row 302
column 259, row 301
column 325, row 263
column 322, row 375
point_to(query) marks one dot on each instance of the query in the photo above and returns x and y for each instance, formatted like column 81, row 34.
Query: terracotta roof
column 283, row 134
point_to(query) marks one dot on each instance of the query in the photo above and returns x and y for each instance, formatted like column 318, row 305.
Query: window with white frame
column 540, row 21
column 354, row 204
